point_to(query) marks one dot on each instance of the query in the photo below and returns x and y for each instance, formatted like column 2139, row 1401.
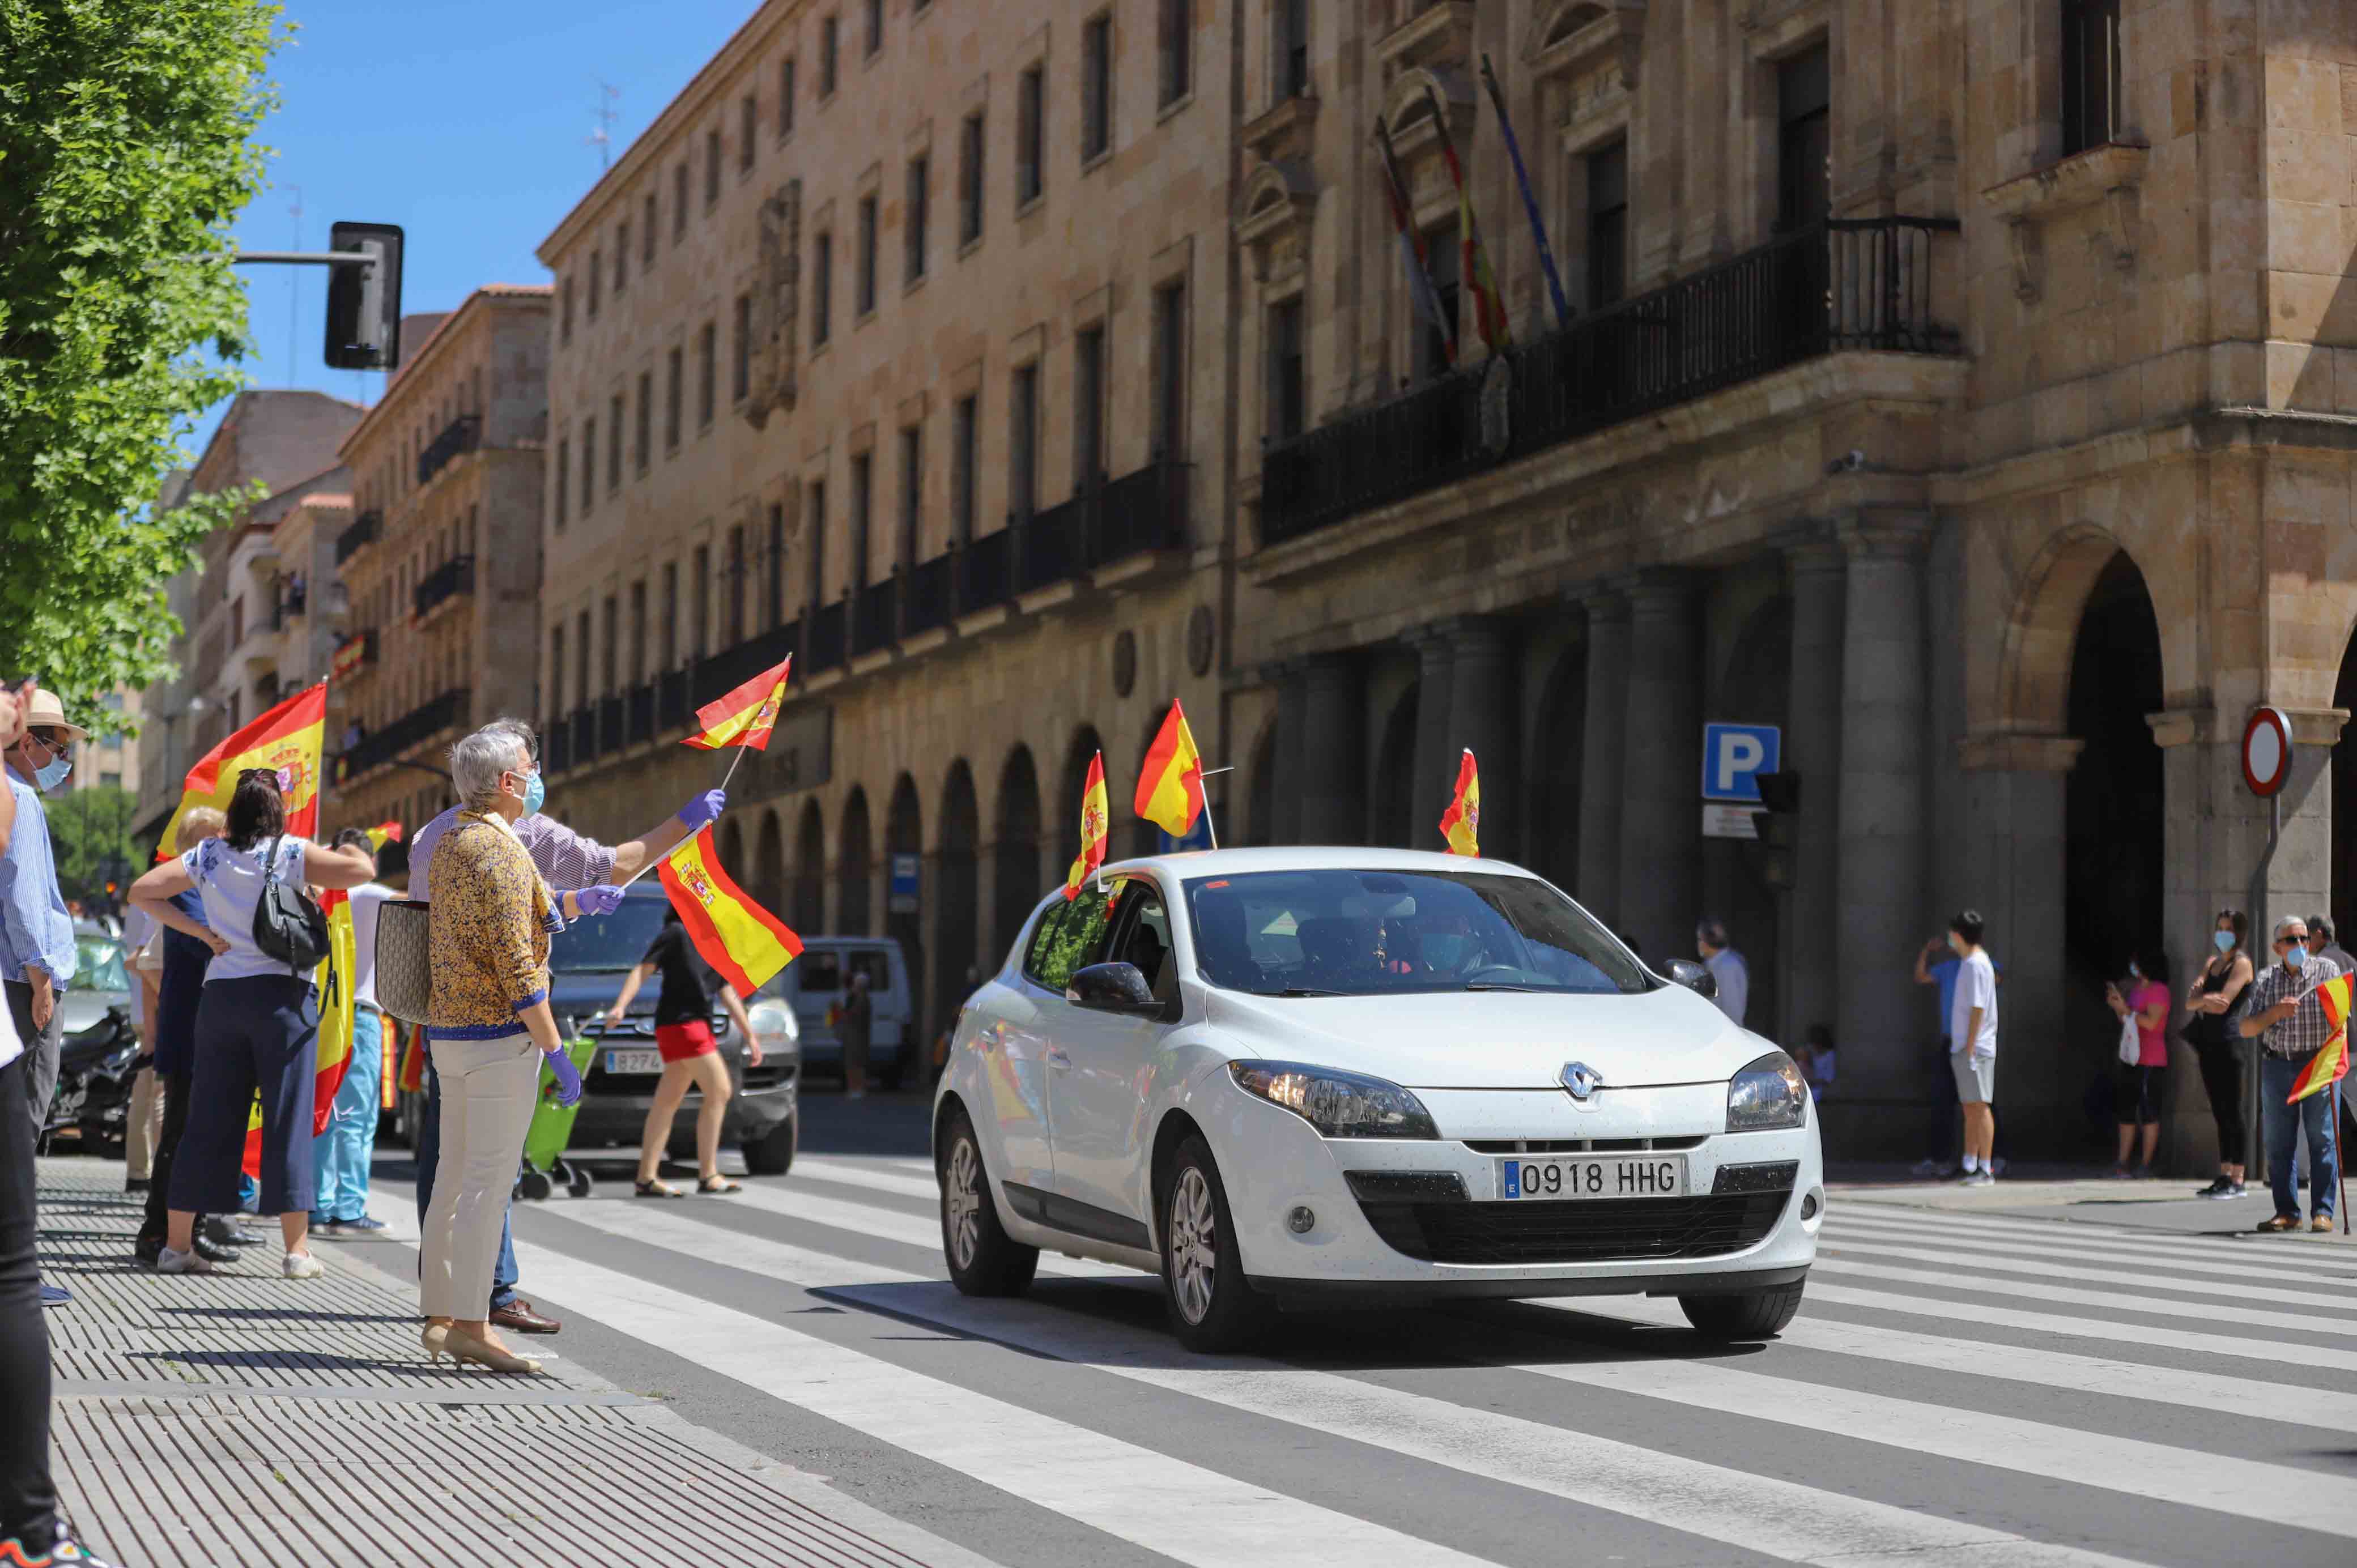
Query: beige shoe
column 431, row 1340
column 463, row 1347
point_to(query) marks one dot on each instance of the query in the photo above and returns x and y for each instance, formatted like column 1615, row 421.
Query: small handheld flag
column 746, row 715
column 1170, row 781
column 381, row 834
column 2330, row 1065
column 1461, row 824
column 1094, row 811
column 744, row 942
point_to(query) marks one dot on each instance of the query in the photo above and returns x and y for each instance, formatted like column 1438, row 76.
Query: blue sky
column 465, row 123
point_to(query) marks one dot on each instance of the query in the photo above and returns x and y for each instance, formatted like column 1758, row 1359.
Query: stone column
column 1435, row 762
column 1813, row 750
column 1481, row 715
column 1284, row 792
column 1880, row 918
column 1334, row 752
column 1601, row 747
column 1661, row 816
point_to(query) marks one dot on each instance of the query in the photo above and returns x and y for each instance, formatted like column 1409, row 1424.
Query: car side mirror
column 1112, row 988
column 1696, row 978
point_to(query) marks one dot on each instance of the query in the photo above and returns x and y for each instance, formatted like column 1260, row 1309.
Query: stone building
column 440, row 562
column 902, row 341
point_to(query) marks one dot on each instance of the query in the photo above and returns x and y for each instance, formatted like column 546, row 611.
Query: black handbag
column 288, row 925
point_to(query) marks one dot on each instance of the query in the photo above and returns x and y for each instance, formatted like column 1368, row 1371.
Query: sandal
column 658, row 1188
column 2280, row 1222
column 718, row 1184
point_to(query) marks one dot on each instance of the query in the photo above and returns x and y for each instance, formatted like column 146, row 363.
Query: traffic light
column 364, row 301
column 1781, row 794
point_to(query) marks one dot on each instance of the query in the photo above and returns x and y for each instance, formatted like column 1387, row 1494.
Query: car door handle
column 1059, row 1060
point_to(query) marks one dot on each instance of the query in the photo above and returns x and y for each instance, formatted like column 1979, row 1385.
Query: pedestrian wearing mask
column 36, row 934
column 2291, row 1028
column 856, row 1027
column 2214, row 1002
column 2145, row 999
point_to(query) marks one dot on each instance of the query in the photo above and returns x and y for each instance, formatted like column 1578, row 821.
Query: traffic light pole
column 363, row 324
column 306, row 258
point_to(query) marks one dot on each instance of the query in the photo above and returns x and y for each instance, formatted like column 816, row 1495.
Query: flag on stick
column 1461, row 824
column 1420, row 292
column 1489, row 307
column 413, row 1064
column 1094, row 811
column 382, row 834
column 2330, row 1065
column 250, row 1161
column 335, row 977
column 1530, row 202
column 744, row 942
column 1171, row 782
column 285, row 740
column 746, row 715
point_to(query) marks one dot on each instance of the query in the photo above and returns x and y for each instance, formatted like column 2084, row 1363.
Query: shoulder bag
column 404, row 978
column 287, row 924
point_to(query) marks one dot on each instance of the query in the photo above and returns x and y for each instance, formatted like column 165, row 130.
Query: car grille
column 1595, row 1231
column 1580, row 1145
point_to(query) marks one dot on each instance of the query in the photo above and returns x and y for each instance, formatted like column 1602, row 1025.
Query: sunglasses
column 2295, row 937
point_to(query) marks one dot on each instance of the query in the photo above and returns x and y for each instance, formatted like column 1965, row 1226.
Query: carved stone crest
column 776, row 295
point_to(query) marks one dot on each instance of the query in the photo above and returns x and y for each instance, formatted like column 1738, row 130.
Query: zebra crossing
column 1976, row 1389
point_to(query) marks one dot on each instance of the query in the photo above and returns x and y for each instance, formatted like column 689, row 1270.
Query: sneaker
column 2237, row 1190
column 364, row 1224
column 1980, row 1178
column 1960, row 1175
column 63, row 1551
column 2215, row 1189
column 321, row 1225
column 2119, row 1173
column 169, row 1261
column 301, row 1266
column 58, row 1296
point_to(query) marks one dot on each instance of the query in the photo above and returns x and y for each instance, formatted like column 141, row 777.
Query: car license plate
column 1594, row 1177
column 634, row 1061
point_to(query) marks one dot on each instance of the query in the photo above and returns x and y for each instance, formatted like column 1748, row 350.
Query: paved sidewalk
column 253, row 1420
column 2157, row 1204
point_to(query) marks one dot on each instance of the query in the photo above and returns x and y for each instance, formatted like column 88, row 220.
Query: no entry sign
column 2267, row 751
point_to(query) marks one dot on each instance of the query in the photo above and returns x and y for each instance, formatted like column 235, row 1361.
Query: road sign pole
column 2267, row 755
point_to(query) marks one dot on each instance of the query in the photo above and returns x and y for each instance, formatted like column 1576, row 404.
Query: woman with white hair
column 489, row 1026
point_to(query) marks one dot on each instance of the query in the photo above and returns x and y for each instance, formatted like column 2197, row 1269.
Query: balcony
column 612, row 715
column 642, row 715
column 453, row 577
column 354, row 654
column 1850, row 285
column 364, row 531
column 822, row 649
column 583, row 726
column 872, row 621
column 406, row 733
column 460, row 437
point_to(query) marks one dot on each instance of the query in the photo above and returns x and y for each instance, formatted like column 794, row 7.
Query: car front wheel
column 1743, row 1315
column 1212, row 1309
column 984, row 1260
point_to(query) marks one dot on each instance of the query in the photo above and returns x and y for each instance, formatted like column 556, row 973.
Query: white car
column 1301, row 1078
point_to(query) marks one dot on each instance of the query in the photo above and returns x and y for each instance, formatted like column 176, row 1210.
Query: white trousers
column 489, row 1090
column 143, row 1125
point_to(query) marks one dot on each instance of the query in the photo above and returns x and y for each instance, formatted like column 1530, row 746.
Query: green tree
column 125, row 152
column 91, row 830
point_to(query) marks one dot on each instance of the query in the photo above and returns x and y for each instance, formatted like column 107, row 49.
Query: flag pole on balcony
column 1530, row 202
column 1489, row 307
column 1420, row 292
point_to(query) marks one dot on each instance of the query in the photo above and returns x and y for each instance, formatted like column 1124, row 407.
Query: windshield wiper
column 1495, row 985
column 1307, row 991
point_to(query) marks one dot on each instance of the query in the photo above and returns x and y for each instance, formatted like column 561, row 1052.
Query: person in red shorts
column 691, row 1056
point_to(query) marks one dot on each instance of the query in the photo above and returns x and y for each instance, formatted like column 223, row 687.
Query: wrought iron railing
column 642, row 715
column 462, row 435
column 453, row 577
column 985, row 570
column 556, row 747
column 582, row 723
column 363, row 531
column 413, row 728
column 927, row 599
column 871, row 616
column 1848, row 283
column 671, row 705
column 612, row 715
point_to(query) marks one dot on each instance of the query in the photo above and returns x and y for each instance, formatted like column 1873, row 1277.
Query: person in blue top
column 36, row 938
column 1944, row 976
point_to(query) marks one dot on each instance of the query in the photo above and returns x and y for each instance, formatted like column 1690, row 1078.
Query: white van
column 814, row 985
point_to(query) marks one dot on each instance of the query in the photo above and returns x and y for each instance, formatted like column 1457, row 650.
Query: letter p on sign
column 1734, row 756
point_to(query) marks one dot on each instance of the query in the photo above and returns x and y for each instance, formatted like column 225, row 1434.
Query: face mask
column 535, row 794
column 2224, row 941
column 48, row 778
column 2135, row 973
column 2295, row 955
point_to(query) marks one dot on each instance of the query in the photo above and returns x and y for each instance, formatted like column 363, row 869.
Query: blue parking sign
column 1733, row 758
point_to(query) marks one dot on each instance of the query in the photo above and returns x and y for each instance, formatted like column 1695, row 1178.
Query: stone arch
column 957, row 918
column 2042, row 630
column 769, row 863
column 1016, row 849
column 854, row 868
column 1405, row 107
column 810, row 870
column 904, row 835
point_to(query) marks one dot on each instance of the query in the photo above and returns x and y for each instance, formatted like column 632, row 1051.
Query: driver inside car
column 1337, row 953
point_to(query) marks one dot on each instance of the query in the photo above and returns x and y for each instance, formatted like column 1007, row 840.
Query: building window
column 555, row 672
column 815, row 587
column 1171, row 371
column 707, row 369
column 588, row 463
column 1440, row 256
column 822, row 286
column 1088, row 406
column 736, row 593
column 875, row 27
column 674, row 385
column 773, row 597
column 564, row 474
column 608, row 654
column 669, row 614
column 830, row 35
column 1287, row 392
column 647, row 227
column 1608, row 225
column 864, row 283
column 912, row 492
column 786, row 96
column 581, row 661
column 711, row 168
column 1097, row 87
column 699, row 602
column 1803, row 140
column 639, row 631
column 863, row 498
column 2091, row 74
column 962, row 455
column 622, row 257
column 748, row 117
column 1178, row 41
column 970, row 145
column 1290, row 50
column 679, row 202
column 1023, row 442
column 740, row 369
column 614, row 436
column 645, row 452
column 919, row 221
column 1030, row 135
column 565, row 311
column 597, row 275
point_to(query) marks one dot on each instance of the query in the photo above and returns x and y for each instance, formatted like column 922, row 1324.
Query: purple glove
column 703, row 809
column 568, row 1077
column 602, row 899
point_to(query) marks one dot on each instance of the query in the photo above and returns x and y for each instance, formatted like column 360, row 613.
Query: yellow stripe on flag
column 744, row 942
column 1095, row 809
column 285, row 740
column 2330, row 1065
column 1171, row 782
column 746, row 715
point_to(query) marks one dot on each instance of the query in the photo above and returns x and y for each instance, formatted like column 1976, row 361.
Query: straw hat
column 45, row 711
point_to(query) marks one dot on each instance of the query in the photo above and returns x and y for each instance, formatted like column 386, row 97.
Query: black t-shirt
column 688, row 982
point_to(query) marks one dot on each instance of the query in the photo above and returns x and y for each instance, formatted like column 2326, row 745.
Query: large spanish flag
column 1461, row 824
column 1094, row 811
column 1170, row 781
column 337, row 974
column 746, row 715
column 286, row 740
column 744, row 942
column 2330, row 1065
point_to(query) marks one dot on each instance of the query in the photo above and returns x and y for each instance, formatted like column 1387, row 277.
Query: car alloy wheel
column 962, row 1203
column 984, row 1259
column 1194, row 1245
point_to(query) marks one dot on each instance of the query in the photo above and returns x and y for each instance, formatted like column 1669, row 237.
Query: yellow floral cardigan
column 489, row 931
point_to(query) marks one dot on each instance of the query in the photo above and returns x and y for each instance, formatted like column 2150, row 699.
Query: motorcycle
column 95, row 1068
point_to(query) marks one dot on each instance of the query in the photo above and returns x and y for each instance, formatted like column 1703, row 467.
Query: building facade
column 439, row 560
column 901, row 342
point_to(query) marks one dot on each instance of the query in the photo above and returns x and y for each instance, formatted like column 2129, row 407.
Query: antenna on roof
column 604, row 114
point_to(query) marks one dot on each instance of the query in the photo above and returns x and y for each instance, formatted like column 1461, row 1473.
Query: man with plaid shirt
column 2291, row 1025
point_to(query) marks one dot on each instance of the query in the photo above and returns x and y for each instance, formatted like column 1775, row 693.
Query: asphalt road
column 1971, row 1389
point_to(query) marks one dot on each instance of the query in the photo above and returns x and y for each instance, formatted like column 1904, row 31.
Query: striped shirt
column 2304, row 1033
column 567, row 861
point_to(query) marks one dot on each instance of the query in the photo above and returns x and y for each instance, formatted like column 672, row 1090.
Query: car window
column 1068, row 936
column 98, row 965
column 608, row 944
column 1352, row 932
column 826, row 971
column 1142, row 937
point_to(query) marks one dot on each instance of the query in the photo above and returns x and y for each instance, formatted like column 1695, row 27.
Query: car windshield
column 98, row 965
column 1371, row 933
column 823, row 971
column 608, row 944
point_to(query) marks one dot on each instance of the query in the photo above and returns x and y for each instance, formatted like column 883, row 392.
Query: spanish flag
column 744, row 942
column 1094, row 810
column 2330, row 1065
column 1170, row 781
column 249, row 1162
column 335, row 978
column 1461, row 824
column 285, row 740
column 746, row 715
column 412, row 1077
column 382, row 834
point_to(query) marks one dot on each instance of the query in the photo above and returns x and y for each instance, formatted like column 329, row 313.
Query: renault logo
column 1581, row 1079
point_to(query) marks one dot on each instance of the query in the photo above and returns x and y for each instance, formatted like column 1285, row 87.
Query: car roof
column 1193, row 864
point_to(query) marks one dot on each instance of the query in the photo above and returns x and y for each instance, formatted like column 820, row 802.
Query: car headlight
column 1768, row 1094
column 774, row 1025
column 1338, row 1104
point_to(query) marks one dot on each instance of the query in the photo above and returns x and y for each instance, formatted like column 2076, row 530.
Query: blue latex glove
column 568, row 1077
column 703, row 809
column 602, row 899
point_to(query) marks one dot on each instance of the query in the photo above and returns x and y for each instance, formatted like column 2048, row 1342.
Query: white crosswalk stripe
column 2299, row 1257
column 2075, row 1248
column 1851, row 1244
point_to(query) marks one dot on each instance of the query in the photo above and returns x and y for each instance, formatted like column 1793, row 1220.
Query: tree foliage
column 91, row 831
column 125, row 153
